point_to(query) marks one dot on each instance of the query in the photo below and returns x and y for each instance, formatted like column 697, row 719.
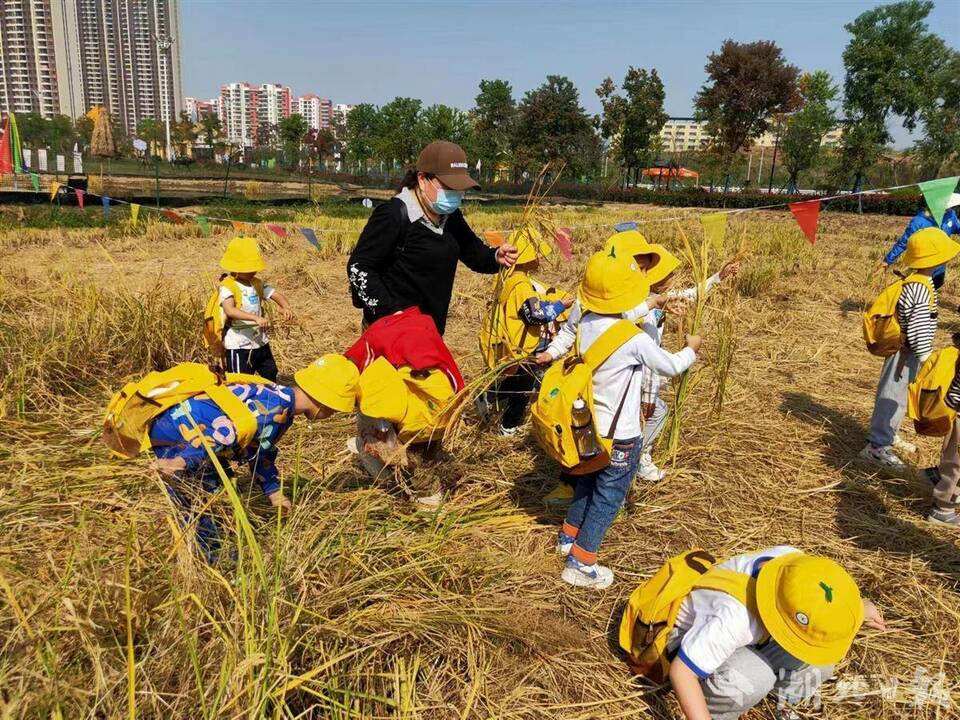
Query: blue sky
column 439, row 51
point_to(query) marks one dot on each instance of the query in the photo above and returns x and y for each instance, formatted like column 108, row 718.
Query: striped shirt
column 953, row 393
column 917, row 315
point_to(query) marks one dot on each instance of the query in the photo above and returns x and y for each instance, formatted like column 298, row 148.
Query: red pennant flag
column 563, row 237
column 80, row 195
column 277, row 230
column 6, row 156
column 172, row 216
column 806, row 214
column 494, row 238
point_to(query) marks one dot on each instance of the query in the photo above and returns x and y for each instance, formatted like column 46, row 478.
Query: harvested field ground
column 364, row 609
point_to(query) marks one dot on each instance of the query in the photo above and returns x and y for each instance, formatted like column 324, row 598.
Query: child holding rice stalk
column 523, row 319
column 916, row 313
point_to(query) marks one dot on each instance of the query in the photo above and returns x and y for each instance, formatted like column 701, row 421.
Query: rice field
column 356, row 606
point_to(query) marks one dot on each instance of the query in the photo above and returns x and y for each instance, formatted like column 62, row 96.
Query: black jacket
column 397, row 264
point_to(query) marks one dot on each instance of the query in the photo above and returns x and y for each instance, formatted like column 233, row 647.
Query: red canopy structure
column 678, row 173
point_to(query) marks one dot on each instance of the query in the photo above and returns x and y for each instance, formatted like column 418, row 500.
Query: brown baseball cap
column 448, row 162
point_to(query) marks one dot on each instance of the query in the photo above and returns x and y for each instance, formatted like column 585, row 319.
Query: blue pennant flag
column 624, row 226
column 106, row 207
column 311, row 237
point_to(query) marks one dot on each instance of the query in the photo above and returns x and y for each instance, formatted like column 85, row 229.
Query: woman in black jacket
column 408, row 252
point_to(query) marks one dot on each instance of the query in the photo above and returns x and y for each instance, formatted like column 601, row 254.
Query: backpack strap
column 926, row 281
column 613, row 338
column 740, row 586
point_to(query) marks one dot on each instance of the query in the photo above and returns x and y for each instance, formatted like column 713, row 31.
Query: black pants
column 513, row 393
column 258, row 361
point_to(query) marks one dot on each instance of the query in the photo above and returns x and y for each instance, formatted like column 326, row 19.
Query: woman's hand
column 506, row 255
column 872, row 617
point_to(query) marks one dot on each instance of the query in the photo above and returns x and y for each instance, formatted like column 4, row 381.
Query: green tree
column 211, row 128
column 153, row 133
column 265, row 135
column 183, row 134
column 34, row 129
column 551, row 127
column 292, row 130
column 806, row 127
column 892, row 64
column 632, row 122
column 940, row 144
column 396, row 138
column 494, row 117
column 83, row 130
column 359, row 134
column 60, row 134
column 442, row 122
column 320, row 145
column 747, row 83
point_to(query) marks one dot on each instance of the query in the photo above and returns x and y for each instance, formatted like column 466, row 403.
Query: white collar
column 415, row 212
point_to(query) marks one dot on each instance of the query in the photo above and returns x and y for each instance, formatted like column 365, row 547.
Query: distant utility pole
column 164, row 44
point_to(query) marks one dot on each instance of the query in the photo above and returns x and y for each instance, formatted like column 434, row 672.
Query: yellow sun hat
column 331, row 381
column 612, row 284
column 810, row 606
column 383, row 394
column 242, row 255
column 529, row 243
column 929, row 248
column 666, row 264
column 628, row 242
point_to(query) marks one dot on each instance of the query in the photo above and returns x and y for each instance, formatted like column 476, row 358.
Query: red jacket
column 406, row 338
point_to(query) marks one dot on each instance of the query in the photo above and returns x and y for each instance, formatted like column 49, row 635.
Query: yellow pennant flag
column 715, row 229
column 54, row 189
column 134, row 213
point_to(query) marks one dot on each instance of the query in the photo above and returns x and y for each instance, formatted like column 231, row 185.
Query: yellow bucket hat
column 529, row 243
column 628, row 242
column 242, row 255
column 666, row 264
column 331, row 381
column 929, row 248
column 383, row 393
column 611, row 284
column 810, row 606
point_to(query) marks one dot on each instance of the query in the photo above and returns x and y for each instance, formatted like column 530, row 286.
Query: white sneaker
column 903, row 446
column 429, row 503
column 944, row 516
column 563, row 548
column 595, row 577
column 648, row 470
column 882, row 456
column 511, row 432
column 483, row 406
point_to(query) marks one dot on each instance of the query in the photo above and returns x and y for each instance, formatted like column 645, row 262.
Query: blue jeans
column 899, row 370
column 209, row 541
column 598, row 498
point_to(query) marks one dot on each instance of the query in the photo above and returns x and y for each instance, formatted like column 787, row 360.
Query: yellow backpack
column 881, row 328
column 126, row 427
column 215, row 323
column 927, row 394
column 651, row 612
column 562, row 384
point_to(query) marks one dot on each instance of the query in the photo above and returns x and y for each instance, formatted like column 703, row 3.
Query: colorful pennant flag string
column 563, row 237
column 204, row 225
column 494, row 238
column 172, row 216
column 277, row 230
column 311, row 237
column 936, row 193
column 240, row 227
column 806, row 214
column 105, row 202
column 624, row 226
column 35, row 181
column 54, row 189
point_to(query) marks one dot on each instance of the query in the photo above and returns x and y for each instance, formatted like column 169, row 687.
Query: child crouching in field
column 246, row 348
column 522, row 321
column 611, row 285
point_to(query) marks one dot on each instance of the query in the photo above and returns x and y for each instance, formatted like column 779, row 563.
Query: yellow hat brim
column 667, row 263
column 768, row 581
column 943, row 255
column 628, row 242
column 627, row 300
column 242, row 265
column 530, row 245
column 334, row 386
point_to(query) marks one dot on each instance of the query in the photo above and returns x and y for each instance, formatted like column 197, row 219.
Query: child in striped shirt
column 946, row 475
column 927, row 249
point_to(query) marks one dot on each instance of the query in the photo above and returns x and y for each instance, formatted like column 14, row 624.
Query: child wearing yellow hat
column 611, row 285
column 180, row 436
column 927, row 250
column 524, row 318
column 245, row 342
column 801, row 615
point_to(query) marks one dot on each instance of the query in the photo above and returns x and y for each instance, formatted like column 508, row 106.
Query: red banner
column 806, row 214
column 563, row 237
column 277, row 230
column 6, row 157
column 172, row 216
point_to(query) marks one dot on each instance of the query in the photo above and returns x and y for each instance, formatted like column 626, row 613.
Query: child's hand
column 286, row 314
column 568, row 302
column 694, row 342
column 543, row 358
column 655, row 301
column 675, row 306
column 263, row 322
column 872, row 617
column 731, row 268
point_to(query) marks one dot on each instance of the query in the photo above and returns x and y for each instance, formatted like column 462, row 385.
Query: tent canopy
column 674, row 172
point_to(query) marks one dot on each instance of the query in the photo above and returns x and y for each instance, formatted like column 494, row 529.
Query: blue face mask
column 447, row 201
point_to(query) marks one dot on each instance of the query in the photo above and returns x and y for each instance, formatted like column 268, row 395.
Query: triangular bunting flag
column 35, row 181
column 105, row 201
column 239, row 226
column 494, row 238
column 6, row 158
column 806, row 214
column 563, row 238
column 80, row 195
column 134, row 213
column 936, row 193
column 204, row 225
column 715, row 229
column 172, row 217
column 311, row 237
column 624, row 226
column 277, row 230
column 15, row 145
column 54, row 189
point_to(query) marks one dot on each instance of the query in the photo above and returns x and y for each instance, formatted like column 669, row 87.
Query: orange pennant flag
column 239, row 226
column 494, row 238
column 54, row 189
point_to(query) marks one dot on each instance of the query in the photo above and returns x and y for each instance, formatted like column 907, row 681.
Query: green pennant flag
column 936, row 193
column 271, row 163
column 715, row 229
column 15, row 145
column 204, row 225
column 35, row 181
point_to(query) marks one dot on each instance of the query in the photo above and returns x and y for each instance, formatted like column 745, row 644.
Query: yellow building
column 683, row 134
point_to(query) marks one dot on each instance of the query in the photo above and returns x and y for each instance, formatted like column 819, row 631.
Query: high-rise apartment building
column 72, row 55
column 245, row 107
column 686, row 133
column 197, row 109
column 316, row 110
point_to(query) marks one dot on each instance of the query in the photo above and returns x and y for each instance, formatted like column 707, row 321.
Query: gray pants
column 750, row 674
column 945, row 493
column 653, row 425
column 898, row 371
